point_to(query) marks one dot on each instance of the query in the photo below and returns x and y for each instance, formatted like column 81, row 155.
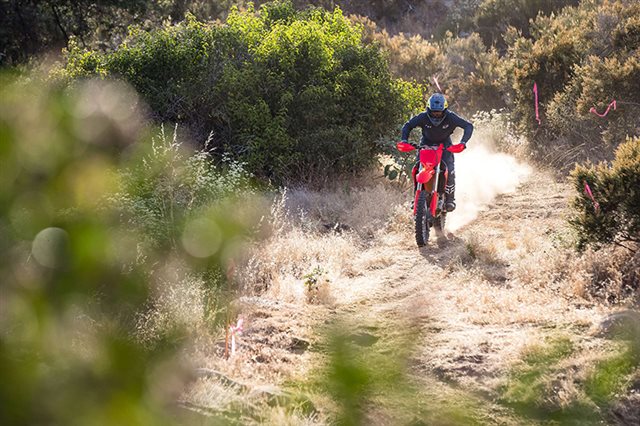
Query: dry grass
column 318, row 230
column 610, row 276
column 362, row 210
column 219, row 403
column 492, row 291
column 178, row 302
column 292, row 255
column 482, row 250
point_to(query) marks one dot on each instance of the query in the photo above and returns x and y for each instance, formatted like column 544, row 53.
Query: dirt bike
column 430, row 180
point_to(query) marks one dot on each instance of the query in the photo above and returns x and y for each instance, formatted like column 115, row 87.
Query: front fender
column 425, row 175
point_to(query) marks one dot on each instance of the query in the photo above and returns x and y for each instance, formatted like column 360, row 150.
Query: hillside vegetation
column 172, row 168
column 311, row 94
column 292, row 94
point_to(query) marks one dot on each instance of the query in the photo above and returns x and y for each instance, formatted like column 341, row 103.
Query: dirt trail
column 471, row 298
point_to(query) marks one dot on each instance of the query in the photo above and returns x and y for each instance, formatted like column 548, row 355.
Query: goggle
column 436, row 114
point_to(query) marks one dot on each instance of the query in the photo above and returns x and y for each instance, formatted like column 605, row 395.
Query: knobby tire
column 422, row 220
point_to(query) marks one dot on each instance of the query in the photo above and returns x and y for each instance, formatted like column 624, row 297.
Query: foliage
column 169, row 185
column 580, row 55
column 615, row 188
column 466, row 71
column 578, row 62
column 609, row 375
column 540, row 388
column 76, row 276
column 292, row 94
column 470, row 74
column 366, row 375
column 316, row 285
column 31, row 27
column 526, row 388
column 493, row 17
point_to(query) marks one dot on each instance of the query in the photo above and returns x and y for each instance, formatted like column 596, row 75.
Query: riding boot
column 450, row 197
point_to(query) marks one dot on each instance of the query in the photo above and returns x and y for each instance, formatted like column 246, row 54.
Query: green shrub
column 548, row 61
column 292, row 94
column 616, row 188
column 167, row 185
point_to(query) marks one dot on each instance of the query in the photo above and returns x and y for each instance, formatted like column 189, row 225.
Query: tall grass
column 309, row 229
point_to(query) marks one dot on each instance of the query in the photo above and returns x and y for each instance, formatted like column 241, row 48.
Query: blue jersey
column 436, row 134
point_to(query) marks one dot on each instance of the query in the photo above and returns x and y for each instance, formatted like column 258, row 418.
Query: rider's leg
column 450, row 189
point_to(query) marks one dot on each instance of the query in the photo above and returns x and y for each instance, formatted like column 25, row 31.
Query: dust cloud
column 481, row 175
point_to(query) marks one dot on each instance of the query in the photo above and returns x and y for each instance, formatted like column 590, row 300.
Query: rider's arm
column 464, row 124
column 410, row 125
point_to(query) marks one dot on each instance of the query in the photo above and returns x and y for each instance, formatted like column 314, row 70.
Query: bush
column 468, row 73
column 167, row 186
column 293, row 94
column 493, row 17
column 76, row 274
column 471, row 74
column 577, row 69
column 615, row 187
column 411, row 57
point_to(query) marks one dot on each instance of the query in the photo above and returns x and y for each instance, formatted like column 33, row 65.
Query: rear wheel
column 422, row 220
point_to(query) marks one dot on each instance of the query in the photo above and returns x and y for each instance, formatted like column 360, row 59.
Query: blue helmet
column 437, row 103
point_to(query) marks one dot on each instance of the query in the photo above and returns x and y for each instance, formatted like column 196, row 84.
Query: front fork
column 433, row 206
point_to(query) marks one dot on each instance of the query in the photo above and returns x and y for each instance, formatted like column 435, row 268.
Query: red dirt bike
column 430, row 180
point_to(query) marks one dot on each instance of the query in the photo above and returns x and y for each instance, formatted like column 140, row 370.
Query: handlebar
column 408, row 147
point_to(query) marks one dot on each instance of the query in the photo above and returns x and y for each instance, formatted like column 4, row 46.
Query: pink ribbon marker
column 535, row 92
column 435, row 80
column 235, row 330
column 604, row 114
column 587, row 190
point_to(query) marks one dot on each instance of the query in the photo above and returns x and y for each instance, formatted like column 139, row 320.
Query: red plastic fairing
column 404, row 147
column 456, row 149
column 430, row 157
column 425, row 175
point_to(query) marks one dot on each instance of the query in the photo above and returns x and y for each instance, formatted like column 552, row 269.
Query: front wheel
column 423, row 217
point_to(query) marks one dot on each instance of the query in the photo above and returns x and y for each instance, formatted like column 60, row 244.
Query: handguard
column 457, row 148
column 405, row 147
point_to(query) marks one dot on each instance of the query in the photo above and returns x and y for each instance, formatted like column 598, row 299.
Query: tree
column 29, row 27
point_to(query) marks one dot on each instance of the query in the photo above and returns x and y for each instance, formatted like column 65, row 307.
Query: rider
column 437, row 124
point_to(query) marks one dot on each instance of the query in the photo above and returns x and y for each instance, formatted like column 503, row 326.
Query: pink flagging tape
column 435, row 80
column 235, row 330
column 535, row 93
column 604, row 114
column 587, row 191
